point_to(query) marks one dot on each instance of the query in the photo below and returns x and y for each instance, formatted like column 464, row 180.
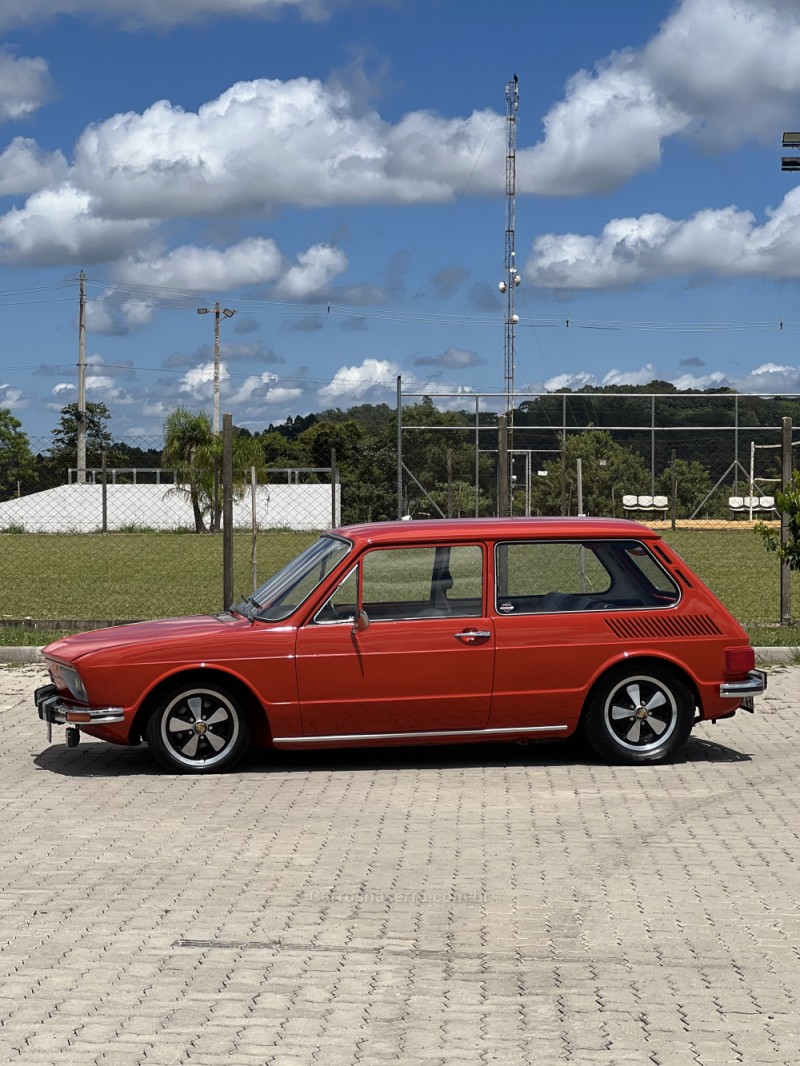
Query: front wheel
column 639, row 715
column 197, row 729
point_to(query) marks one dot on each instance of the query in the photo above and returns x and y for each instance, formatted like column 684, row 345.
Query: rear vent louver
column 639, row 627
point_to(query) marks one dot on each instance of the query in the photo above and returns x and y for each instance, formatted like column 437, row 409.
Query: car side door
column 421, row 659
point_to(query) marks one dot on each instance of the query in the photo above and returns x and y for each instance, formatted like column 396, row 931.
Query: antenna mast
column 512, row 278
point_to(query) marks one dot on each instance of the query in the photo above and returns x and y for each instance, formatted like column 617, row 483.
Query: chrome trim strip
column 488, row 733
column 755, row 685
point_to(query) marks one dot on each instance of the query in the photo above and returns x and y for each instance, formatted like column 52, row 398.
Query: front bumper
column 56, row 710
column 754, row 685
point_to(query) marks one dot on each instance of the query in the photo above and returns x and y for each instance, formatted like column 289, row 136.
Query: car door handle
column 474, row 636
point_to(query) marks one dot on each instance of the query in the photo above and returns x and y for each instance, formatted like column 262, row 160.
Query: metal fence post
column 502, row 468
column 104, row 483
column 674, row 490
column 334, row 479
column 227, row 511
column 564, row 504
column 786, row 480
column 399, row 446
column 477, row 457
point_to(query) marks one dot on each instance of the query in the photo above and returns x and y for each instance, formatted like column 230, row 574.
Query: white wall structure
column 79, row 509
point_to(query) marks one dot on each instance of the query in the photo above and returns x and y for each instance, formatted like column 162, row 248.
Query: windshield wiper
column 241, row 607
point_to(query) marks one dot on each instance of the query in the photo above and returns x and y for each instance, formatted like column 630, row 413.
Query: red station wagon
column 418, row 633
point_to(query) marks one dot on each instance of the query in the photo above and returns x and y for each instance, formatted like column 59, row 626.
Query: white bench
column 645, row 503
column 751, row 504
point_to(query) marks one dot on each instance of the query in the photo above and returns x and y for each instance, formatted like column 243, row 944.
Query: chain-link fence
column 705, row 458
column 694, row 458
column 129, row 491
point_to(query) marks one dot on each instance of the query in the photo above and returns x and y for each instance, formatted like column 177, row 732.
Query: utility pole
column 512, row 278
column 228, row 313
column 81, row 420
column 786, row 484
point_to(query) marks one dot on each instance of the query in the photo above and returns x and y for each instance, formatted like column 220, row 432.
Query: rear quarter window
column 558, row 576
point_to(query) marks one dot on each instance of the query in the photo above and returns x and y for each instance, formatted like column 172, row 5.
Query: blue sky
column 333, row 170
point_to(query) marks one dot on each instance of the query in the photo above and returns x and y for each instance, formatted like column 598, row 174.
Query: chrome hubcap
column 641, row 713
column 199, row 727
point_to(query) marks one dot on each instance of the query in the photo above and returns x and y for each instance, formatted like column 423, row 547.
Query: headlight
column 74, row 684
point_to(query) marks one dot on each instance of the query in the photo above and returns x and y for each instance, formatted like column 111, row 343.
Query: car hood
column 161, row 631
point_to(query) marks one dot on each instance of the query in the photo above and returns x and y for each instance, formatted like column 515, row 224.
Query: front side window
column 411, row 583
column 557, row 576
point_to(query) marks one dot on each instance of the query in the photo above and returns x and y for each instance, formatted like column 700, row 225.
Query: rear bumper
column 755, row 684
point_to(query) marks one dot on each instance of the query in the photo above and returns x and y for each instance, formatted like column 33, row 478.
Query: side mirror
column 361, row 622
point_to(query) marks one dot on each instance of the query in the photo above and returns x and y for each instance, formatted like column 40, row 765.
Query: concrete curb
column 21, row 654
column 771, row 656
column 778, row 655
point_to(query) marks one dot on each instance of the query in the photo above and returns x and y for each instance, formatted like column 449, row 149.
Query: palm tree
column 188, row 444
column 192, row 449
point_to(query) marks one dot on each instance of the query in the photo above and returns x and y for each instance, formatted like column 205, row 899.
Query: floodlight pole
column 81, row 413
column 512, row 278
column 786, row 479
column 790, row 162
column 228, row 313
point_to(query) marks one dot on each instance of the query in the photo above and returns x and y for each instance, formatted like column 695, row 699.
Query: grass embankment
column 74, row 578
column 69, row 578
column 745, row 576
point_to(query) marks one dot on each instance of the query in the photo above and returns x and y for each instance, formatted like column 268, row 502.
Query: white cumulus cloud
column 253, row 261
column 313, row 272
column 61, row 225
column 718, row 71
column 630, row 377
column 158, row 13
column 25, row 168
column 25, row 84
column 268, row 143
column 355, row 382
column 724, row 243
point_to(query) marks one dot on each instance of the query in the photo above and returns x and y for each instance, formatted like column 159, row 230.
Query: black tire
column 197, row 729
column 639, row 715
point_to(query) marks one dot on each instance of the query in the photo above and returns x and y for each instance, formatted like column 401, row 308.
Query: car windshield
column 283, row 593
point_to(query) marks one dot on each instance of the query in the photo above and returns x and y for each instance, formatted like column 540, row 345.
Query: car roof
column 453, row 529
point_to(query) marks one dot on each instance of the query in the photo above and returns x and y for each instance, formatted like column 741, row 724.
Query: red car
column 424, row 632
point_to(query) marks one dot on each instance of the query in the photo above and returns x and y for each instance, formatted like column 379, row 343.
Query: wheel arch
column 252, row 707
column 642, row 662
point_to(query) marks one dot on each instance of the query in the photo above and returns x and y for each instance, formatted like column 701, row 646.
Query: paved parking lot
column 508, row 904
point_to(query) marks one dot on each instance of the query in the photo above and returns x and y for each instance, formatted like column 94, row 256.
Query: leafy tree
column 63, row 452
column 17, row 465
column 279, row 450
column 692, row 485
column 788, row 503
column 608, row 472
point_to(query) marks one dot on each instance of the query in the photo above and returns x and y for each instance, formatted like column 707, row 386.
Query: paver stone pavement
column 504, row 904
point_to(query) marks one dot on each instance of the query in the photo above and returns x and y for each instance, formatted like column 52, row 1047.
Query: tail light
column 739, row 662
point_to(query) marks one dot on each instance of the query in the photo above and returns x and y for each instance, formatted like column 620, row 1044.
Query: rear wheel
column 639, row 715
column 197, row 729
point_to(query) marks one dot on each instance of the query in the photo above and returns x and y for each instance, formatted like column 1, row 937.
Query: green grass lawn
column 746, row 577
column 127, row 576
column 123, row 576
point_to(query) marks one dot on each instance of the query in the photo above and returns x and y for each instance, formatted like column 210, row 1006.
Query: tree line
column 610, row 433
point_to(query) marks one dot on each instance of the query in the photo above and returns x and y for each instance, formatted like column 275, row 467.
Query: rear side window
column 558, row 576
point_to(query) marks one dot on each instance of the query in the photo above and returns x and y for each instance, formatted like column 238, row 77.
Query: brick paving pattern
column 459, row 906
